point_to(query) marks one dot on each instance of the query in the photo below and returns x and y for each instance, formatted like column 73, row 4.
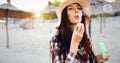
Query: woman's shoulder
column 55, row 37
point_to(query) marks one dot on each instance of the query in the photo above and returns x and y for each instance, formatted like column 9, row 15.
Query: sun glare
column 2, row 21
column 37, row 15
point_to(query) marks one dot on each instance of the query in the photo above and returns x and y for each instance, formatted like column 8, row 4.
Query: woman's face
column 74, row 12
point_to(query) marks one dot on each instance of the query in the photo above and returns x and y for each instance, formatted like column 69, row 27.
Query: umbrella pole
column 50, row 26
column 50, row 22
column 101, row 17
column 7, row 34
column 104, row 22
column 90, row 29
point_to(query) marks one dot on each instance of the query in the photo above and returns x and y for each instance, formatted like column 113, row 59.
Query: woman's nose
column 76, row 10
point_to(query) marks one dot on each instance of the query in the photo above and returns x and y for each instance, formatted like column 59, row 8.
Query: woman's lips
column 77, row 17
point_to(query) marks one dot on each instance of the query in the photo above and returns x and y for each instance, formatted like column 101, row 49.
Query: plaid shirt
column 71, row 57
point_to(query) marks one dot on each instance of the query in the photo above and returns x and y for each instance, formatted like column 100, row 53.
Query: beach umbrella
column 8, row 10
column 13, row 11
column 100, row 7
column 49, row 9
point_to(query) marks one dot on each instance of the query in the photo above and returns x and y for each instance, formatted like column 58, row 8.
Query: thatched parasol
column 8, row 10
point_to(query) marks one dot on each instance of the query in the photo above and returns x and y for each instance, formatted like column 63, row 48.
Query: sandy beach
column 32, row 45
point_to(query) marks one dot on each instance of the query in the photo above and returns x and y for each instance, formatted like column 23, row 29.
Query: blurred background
column 26, row 26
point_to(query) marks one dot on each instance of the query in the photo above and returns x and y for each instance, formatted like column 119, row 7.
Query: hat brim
column 84, row 4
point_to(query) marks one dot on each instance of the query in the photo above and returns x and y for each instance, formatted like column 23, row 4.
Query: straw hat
column 84, row 4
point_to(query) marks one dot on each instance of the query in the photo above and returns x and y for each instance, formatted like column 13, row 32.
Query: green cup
column 102, row 49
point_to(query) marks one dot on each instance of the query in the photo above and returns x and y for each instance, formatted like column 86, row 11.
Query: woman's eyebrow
column 79, row 6
column 69, row 6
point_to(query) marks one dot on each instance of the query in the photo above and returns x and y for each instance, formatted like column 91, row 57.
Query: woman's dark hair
column 65, row 34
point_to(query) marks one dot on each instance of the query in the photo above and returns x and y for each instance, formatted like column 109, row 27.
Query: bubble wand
column 102, row 49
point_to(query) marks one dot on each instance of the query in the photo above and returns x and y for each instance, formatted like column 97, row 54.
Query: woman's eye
column 71, row 8
column 80, row 8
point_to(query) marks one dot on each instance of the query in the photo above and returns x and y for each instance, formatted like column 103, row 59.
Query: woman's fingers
column 100, row 59
column 80, row 28
column 83, row 29
column 108, row 56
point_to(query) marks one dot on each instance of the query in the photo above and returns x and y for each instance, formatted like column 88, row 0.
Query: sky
column 29, row 5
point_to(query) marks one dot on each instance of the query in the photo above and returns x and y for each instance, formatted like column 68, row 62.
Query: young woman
column 71, row 44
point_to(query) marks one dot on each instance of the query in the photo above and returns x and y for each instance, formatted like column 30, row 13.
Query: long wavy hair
column 65, row 34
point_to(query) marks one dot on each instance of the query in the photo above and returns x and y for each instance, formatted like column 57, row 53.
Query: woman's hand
column 78, row 33
column 77, row 37
column 100, row 59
